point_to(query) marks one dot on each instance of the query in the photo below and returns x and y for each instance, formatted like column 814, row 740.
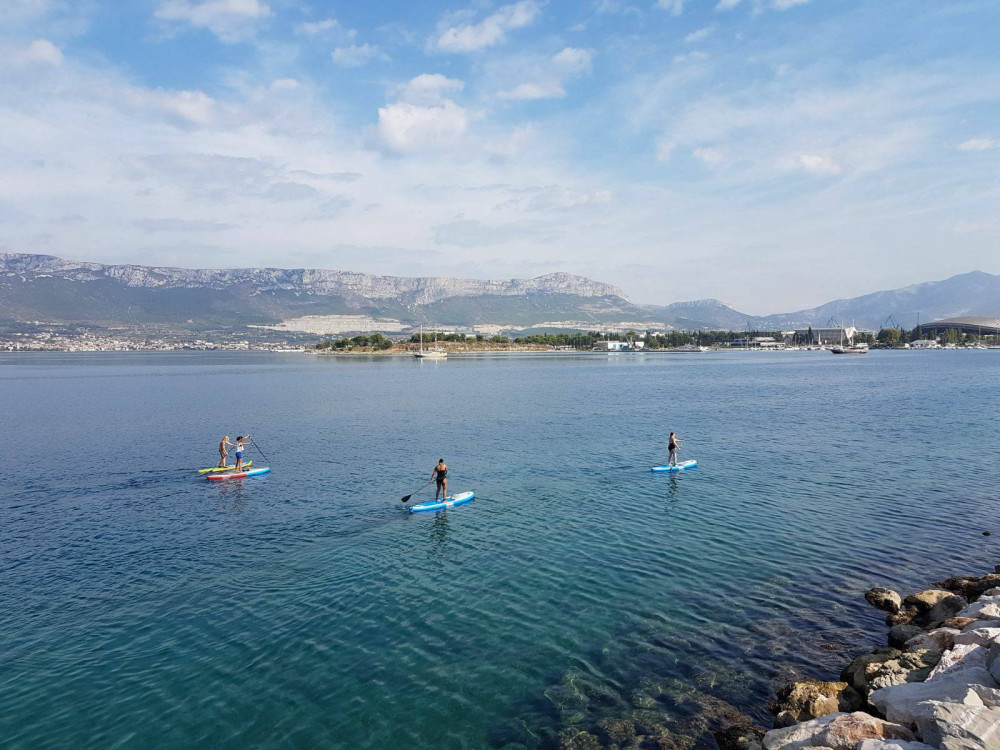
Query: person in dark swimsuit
column 440, row 474
column 673, row 446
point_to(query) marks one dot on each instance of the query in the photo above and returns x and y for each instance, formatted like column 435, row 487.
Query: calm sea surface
column 144, row 607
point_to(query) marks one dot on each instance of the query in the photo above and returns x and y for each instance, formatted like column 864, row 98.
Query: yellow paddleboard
column 222, row 468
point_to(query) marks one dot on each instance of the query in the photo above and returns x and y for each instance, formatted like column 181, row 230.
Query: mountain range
column 53, row 290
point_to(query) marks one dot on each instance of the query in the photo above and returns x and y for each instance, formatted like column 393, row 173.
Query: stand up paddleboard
column 449, row 502
column 238, row 474
column 681, row 466
column 214, row 469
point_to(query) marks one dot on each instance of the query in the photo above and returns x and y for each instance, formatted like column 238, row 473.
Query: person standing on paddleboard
column 673, row 445
column 239, row 450
column 223, row 453
column 440, row 474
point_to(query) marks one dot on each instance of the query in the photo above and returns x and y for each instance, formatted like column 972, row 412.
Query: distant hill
column 974, row 293
column 53, row 290
column 704, row 313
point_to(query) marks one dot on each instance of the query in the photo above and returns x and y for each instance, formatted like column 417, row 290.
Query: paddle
column 258, row 449
column 405, row 498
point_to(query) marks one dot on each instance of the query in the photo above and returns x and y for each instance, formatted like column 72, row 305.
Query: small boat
column 215, row 469
column 449, row 502
column 430, row 354
column 238, row 474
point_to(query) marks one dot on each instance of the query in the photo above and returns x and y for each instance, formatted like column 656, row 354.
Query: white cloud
column 708, row 155
column 699, row 35
column 356, row 55
column 550, row 76
column 693, row 55
column 490, row 31
column 786, row 4
column 664, row 149
column 313, row 28
column 230, row 20
column 406, row 127
column 42, row 51
column 977, row 144
column 428, row 88
column 816, row 164
column 286, row 84
column 573, row 59
column 727, row 4
column 529, row 91
column 675, row 7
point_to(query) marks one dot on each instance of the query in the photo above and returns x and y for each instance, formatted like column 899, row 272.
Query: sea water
column 145, row 607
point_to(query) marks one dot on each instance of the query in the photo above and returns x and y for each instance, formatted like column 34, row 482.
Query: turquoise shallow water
column 147, row 608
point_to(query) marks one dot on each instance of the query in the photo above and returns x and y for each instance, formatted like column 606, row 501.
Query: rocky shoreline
column 935, row 685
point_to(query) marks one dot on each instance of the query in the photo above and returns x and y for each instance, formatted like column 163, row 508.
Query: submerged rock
column 809, row 699
column 740, row 738
column 840, row 731
column 577, row 739
column 616, row 731
column 885, row 599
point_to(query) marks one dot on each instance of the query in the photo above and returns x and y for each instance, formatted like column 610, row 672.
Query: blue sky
column 774, row 154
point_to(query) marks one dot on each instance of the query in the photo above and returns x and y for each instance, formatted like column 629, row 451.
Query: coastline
column 935, row 685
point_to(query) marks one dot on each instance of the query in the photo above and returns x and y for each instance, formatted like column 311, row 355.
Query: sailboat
column 851, row 348
column 430, row 353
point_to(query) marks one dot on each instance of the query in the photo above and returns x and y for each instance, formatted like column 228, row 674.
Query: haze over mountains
column 52, row 290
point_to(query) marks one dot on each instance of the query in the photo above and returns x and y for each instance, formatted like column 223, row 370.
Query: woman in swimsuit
column 240, row 439
column 440, row 473
column 673, row 446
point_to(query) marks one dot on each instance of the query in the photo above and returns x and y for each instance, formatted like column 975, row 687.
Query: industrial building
column 975, row 325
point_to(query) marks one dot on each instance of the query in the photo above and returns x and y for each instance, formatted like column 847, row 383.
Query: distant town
column 974, row 333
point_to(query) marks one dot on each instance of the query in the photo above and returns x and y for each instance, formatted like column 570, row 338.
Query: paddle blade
column 405, row 499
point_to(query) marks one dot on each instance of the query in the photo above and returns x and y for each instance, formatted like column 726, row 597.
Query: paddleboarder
column 673, row 446
column 440, row 474
column 223, row 453
column 240, row 439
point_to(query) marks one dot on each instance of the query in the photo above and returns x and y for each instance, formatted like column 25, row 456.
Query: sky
column 774, row 154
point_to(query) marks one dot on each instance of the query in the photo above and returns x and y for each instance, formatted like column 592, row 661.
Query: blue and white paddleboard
column 449, row 502
column 681, row 466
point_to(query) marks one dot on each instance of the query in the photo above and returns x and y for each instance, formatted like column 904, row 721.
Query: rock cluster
column 936, row 685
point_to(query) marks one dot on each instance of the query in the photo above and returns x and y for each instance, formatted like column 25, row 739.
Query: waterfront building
column 837, row 335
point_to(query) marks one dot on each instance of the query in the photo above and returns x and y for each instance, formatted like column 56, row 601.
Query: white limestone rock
column 964, row 656
column 902, row 703
column 951, row 726
column 979, row 636
column 939, row 639
column 839, row 731
column 892, row 745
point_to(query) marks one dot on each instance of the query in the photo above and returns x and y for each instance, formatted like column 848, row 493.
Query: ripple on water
column 155, row 609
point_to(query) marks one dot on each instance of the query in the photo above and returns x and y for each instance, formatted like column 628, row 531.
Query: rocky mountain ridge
column 405, row 290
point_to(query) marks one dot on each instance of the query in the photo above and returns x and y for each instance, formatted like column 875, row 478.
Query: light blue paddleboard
column 449, row 502
column 681, row 466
